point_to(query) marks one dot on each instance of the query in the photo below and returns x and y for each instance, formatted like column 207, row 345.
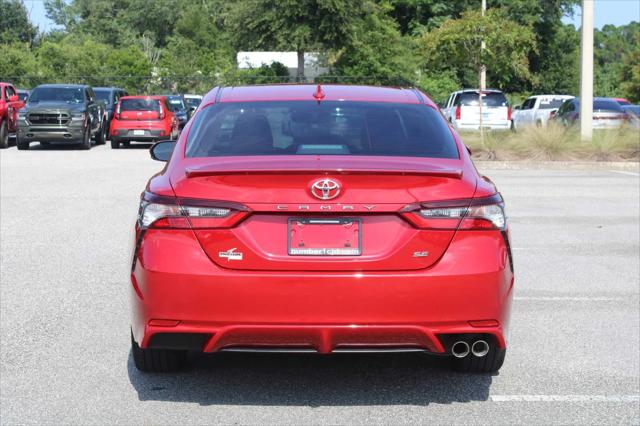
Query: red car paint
column 156, row 124
column 417, row 282
column 10, row 104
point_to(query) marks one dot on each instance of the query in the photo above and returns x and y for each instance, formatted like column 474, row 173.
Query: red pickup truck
column 10, row 103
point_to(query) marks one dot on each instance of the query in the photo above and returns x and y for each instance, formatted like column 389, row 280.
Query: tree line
column 190, row 46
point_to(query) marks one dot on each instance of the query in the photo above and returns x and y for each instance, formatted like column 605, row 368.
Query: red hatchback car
column 142, row 119
column 320, row 219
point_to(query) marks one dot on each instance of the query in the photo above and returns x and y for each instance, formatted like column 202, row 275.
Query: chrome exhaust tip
column 480, row 348
column 460, row 349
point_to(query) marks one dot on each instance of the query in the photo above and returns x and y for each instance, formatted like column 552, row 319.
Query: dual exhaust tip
column 461, row 349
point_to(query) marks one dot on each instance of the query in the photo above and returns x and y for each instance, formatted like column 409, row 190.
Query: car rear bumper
column 178, row 294
column 502, row 125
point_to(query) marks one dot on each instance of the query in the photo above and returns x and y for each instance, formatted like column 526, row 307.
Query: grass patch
column 555, row 143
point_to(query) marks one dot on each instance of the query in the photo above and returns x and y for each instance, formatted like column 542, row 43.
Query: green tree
column 630, row 72
column 612, row 45
column 376, row 52
column 14, row 23
column 455, row 46
column 18, row 64
column 300, row 25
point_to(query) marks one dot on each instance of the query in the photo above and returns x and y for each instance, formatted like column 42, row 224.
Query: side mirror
column 161, row 151
column 14, row 98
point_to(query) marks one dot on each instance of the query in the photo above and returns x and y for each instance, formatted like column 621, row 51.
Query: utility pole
column 586, row 72
column 483, row 76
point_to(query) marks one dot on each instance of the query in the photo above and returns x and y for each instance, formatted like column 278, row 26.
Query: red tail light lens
column 170, row 213
column 458, row 111
column 509, row 114
column 476, row 214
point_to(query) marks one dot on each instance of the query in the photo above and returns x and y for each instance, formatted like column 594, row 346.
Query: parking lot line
column 571, row 298
column 565, row 398
column 622, row 172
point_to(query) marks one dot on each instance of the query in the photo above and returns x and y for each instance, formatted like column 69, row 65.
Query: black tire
column 115, row 144
column 126, row 144
column 85, row 143
column 22, row 146
column 157, row 360
column 101, row 136
column 4, row 136
column 490, row 363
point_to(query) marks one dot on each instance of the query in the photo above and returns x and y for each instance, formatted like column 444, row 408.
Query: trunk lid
column 359, row 229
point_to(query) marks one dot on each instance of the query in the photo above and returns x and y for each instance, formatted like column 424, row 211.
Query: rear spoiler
column 455, row 173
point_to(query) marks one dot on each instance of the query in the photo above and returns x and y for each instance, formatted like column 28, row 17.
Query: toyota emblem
column 325, row 189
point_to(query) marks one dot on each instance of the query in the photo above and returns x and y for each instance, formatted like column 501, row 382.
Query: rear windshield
column 140, row 105
column 327, row 128
column 175, row 103
column 606, row 105
column 57, row 94
column 491, row 99
column 551, row 103
column 103, row 95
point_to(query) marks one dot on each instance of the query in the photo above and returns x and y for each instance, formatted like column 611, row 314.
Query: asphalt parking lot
column 66, row 218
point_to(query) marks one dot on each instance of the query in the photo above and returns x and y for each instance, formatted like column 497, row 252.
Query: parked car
column 607, row 113
column 178, row 106
column 10, row 104
column 62, row 113
column 23, row 94
column 320, row 219
column 192, row 102
column 536, row 110
column 463, row 110
column 633, row 112
column 142, row 119
column 110, row 96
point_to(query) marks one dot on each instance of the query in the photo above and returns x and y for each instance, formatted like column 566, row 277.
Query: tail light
column 118, row 111
column 458, row 110
column 476, row 214
column 158, row 212
column 508, row 113
column 161, row 113
column 553, row 113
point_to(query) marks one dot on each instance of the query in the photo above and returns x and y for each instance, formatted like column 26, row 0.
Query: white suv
column 537, row 110
column 463, row 110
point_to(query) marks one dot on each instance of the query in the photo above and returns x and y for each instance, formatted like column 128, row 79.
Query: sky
column 616, row 12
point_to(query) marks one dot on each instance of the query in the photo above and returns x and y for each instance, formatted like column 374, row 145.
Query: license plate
column 324, row 236
column 138, row 132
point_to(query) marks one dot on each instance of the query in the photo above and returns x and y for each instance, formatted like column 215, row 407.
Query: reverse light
column 477, row 213
column 177, row 215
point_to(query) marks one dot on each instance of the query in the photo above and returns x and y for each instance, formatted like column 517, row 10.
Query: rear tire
column 490, row 363
column 4, row 136
column 115, row 144
column 157, row 360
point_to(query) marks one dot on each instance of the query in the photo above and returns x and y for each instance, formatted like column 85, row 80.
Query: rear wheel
column 4, row 135
column 157, row 360
column 489, row 363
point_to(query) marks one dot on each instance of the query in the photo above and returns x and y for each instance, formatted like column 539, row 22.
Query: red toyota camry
column 320, row 219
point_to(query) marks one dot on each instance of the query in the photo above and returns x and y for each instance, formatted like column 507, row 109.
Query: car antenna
column 319, row 94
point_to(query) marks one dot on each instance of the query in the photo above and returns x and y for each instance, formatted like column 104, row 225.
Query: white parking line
column 570, row 298
column 565, row 398
column 622, row 172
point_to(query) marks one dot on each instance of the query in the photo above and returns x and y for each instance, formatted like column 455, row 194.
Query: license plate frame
column 324, row 251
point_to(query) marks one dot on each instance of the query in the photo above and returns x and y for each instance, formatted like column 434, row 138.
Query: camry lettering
column 369, row 207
